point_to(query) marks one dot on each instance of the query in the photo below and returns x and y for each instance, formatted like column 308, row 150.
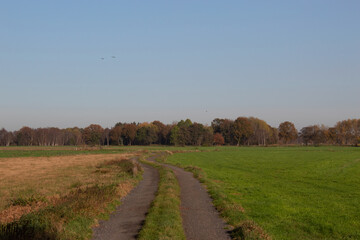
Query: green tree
column 93, row 134
column 146, row 134
column 184, row 135
column 224, row 127
column 163, row 132
column 174, row 135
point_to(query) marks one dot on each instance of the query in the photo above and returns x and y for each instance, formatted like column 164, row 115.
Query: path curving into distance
column 200, row 218
column 128, row 218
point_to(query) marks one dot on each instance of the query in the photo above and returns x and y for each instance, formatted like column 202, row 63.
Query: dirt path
column 127, row 220
column 200, row 218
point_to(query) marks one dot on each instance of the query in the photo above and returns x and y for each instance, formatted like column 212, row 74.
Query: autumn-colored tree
column 72, row 136
column 52, row 136
column 129, row 133
column 115, row 135
column 261, row 131
column 106, row 137
column 77, row 136
column 274, row 136
column 41, row 135
column 93, row 134
column 218, row 139
column 222, row 131
column 6, row 138
column 25, row 136
column 348, row 131
column 242, row 130
column 287, row 132
column 331, row 135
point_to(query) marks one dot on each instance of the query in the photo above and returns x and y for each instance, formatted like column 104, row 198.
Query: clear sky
column 275, row 60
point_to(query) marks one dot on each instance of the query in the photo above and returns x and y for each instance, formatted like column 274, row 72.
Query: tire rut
column 128, row 218
column 200, row 218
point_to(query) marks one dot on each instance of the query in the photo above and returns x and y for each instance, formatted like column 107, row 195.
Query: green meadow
column 289, row 192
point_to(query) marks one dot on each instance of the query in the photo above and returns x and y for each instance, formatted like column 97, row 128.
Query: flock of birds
column 104, row 58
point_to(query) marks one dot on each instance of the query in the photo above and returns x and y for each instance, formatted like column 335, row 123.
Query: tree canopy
column 241, row 131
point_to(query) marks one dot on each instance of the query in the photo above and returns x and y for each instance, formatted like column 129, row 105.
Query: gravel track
column 201, row 220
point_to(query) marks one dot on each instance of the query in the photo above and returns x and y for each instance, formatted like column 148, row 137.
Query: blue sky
column 276, row 60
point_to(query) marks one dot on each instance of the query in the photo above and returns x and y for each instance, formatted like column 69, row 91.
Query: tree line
column 241, row 131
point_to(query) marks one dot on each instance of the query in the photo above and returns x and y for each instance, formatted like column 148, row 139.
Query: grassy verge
column 71, row 216
column 164, row 219
column 243, row 229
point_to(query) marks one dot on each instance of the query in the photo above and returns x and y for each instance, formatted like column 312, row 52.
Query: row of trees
column 345, row 132
column 241, row 131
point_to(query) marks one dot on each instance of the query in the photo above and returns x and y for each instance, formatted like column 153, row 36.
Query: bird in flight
column 113, row 56
column 102, row 58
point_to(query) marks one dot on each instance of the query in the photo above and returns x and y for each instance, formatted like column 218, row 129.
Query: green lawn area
column 290, row 192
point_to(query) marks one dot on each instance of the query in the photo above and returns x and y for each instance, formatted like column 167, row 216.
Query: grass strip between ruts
column 164, row 218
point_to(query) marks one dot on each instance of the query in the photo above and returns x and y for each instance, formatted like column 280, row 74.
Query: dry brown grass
column 49, row 177
column 48, row 148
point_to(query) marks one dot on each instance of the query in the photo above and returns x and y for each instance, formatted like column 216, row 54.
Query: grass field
column 39, row 151
column 289, row 192
column 35, row 151
column 286, row 192
column 49, row 176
